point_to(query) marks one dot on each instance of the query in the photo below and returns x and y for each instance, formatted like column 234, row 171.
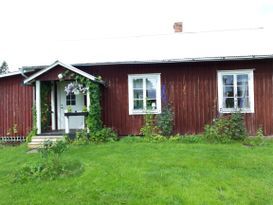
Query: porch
column 58, row 111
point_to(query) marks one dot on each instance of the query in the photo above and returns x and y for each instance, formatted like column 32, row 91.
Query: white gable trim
column 69, row 67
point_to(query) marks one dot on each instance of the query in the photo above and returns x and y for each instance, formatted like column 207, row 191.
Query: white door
column 75, row 101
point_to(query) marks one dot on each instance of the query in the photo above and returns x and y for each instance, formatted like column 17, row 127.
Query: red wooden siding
column 191, row 88
column 52, row 74
column 15, row 105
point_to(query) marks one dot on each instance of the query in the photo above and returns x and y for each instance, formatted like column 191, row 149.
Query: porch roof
column 32, row 78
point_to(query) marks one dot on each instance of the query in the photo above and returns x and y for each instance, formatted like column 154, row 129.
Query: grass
column 148, row 173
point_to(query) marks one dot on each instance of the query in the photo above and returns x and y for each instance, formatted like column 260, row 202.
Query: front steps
column 38, row 141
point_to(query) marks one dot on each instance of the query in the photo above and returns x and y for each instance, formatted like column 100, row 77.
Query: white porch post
column 88, row 103
column 53, row 120
column 38, row 105
column 66, row 120
column 88, row 100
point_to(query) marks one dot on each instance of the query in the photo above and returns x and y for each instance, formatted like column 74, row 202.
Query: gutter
column 22, row 71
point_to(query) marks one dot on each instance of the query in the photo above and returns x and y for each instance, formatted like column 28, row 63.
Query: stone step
column 38, row 141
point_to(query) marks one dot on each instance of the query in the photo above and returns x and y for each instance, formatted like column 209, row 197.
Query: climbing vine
column 33, row 131
column 45, row 105
column 93, row 121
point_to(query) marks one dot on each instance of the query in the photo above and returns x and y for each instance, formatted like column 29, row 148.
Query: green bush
column 157, row 138
column 31, row 134
column 165, row 120
column 149, row 129
column 258, row 140
column 225, row 129
column 50, row 166
column 104, row 135
column 48, row 170
column 82, row 137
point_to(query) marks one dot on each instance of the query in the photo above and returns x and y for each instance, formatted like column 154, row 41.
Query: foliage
column 104, row 135
column 53, row 149
column 33, row 131
column 165, row 120
column 84, row 109
column 4, row 68
column 93, row 121
column 237, row 126
column 258, row 140
column 31, row 134
column 69, row 108
column 225, row 129
column 45, row 105
column 13, row 131
column 157, row 138
column 149, row 129
column 82, row 137
column 50, row 166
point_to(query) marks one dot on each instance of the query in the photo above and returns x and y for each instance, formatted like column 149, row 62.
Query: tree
column 4, row 67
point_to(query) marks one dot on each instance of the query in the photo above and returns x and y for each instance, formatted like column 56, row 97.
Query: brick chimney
column 178, row 27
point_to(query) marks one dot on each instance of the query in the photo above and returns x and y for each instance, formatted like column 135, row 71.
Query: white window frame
column 131, row 77
column 250, row 74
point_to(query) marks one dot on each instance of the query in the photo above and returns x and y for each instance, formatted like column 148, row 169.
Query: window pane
column 228, row 79
column 243, row 103
column 150, row 83
column 138, row 94
column 242, row 91
column 151, row 94
column 138, row 104
column 228, row 103
column 242, row 79
column 228, row 91
column 151, row 104
column 137, row 83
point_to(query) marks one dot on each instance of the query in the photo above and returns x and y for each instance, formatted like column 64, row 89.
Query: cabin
column 199, row 85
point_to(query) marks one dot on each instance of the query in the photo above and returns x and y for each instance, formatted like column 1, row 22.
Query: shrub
column 149, row 129
column 258, row 140
column 104, row 135
column 82, row 137
column 165, row 120
column 218, row 132
column 157, row 138
column 50, row 166
column 32, row 133
column 225, row 129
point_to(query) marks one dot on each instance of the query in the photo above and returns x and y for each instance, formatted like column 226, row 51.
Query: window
column 144, row 93
column 236, row 91
column 70, row 99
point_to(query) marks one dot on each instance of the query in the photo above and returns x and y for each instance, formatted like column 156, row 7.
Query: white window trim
column 130, row 93
column 250, row 74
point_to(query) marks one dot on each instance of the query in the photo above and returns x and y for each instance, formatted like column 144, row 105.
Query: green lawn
column 148, row 173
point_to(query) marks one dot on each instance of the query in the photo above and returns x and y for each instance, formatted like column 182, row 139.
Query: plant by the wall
column 45, row 105
column 165, row 120
column 33, row 131
column 149, row 128
column 69, row 108
column 226, row 128
column 13, row 131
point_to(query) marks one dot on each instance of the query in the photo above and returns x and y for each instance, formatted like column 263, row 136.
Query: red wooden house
column 199, row 85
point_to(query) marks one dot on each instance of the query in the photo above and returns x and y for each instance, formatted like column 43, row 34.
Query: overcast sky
column 30, row 29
